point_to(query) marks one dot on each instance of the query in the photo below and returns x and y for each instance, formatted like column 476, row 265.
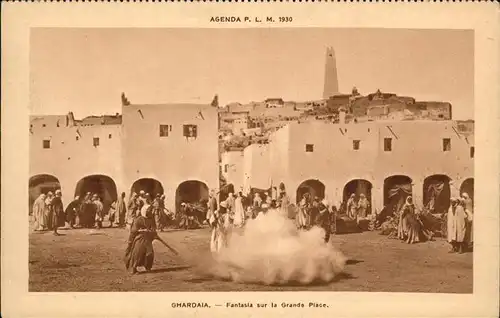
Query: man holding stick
column 140, row 250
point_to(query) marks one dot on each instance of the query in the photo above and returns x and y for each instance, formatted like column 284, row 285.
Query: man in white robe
column 352, row 207
column 38, row 213
column 456, row 226
column 239, row 212
column 220, row 229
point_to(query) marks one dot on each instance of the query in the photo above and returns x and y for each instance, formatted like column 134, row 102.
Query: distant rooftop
column 101, row 120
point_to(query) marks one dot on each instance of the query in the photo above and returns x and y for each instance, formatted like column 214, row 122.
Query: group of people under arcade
column 415, row 225
column 90, row 212
column 49, row 213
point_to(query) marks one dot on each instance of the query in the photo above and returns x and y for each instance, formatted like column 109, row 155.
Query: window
column 164, row 130
column 472, row 152
column 355, row 144
column 46, row 144
column 225, row 168
column 309, row 148
column 96, row 141
column 190, row 131
column 446, row 144
column 109, row 136
column 387, row 144
column 76, row 138
column 43, row 125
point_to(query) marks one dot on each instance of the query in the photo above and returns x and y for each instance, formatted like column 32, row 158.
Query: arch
column 41, row 183
column 437, row 193
column 358, row 186
column 191, row 191
column 468, row 187
column 148, row 185
column 101, row 185
column 314, row 187
column 396, row 189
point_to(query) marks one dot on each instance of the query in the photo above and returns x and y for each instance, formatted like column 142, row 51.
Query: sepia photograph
column 251, row 159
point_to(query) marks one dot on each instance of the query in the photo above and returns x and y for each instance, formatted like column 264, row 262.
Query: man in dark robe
column 157, row 212
column 72, row 211
column 323, row 218
column 87, row 212
column 58, row 212
column 99, row 211
column 140, row 250
column 119, row 211
column 314, row 211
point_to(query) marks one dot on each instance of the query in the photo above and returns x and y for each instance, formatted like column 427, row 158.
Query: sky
column 86, row 70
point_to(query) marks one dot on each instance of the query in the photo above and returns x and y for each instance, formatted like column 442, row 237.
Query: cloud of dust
column 270, row 250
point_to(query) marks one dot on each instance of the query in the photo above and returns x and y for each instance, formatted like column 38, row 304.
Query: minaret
column 331, row 80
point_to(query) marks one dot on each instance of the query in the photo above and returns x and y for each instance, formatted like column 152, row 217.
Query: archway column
column 170, row 198
column 68, row 185
column 418, row 192
column 378, row 196
column 455, row 186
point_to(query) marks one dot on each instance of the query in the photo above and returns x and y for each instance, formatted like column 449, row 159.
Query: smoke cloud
column 270, row 250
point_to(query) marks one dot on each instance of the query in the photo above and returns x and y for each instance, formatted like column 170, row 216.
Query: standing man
column 38, row 213
column 352, row 207
column 132, row 209
column 469, row 211
column 99, row 211
column 363, row 206
column 157, row 212
column 302, row 212
column 230, row 204
column 72, row 211
column 87, row 212
column 49, row 211
column 456, row 226
column 323, row 219
column 58, row 212
column 121, row 210
column 212, row 207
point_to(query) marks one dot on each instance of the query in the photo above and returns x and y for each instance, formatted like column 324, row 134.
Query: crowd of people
column 48, row 212
column 414, row 225
column 234, row 211
column 90, row 212
column 144, row 216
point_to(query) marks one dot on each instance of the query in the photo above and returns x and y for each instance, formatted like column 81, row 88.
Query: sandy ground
column 91, row 260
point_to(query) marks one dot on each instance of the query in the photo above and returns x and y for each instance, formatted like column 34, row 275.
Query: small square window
column 387, row 144
column 472, row 152
column 46, row 144
column 190, row 131
column 356, row 144
column 96, row 141
column 164, row 130
column 446, row 144
column 43, row 125
column 309, row 148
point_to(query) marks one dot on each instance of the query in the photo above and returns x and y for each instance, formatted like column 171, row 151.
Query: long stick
column 173, row 250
